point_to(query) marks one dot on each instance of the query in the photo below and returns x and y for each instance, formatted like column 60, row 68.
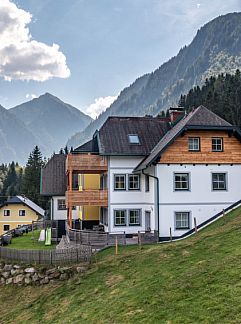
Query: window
column 61, row 204
column 134, row 139
column 6, row 228
column 217, row 144
column 134, row 182
column 219, row 181
column 135, row 217
column 22, row 212
column 120, row 182
column 147, row 183
column 120, row 217
column 181, row 181
column 6, row 212
column 182, row 220
column 194, row 144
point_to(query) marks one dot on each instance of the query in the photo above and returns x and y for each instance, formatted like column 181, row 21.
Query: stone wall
column 15, row 274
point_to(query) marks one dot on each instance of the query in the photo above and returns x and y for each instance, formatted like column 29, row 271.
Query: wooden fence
column 50, row 257
column 102, row 239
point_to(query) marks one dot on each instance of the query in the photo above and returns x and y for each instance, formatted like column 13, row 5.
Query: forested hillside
column 220, row 94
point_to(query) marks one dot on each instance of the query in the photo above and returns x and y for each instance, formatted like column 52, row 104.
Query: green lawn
column 26, row 242
column 197, row 280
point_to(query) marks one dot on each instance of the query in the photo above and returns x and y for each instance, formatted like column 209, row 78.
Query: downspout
column 157, row 203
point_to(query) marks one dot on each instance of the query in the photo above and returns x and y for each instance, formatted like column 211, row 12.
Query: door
column 148, row 221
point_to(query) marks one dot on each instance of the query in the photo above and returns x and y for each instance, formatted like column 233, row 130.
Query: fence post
column 170, row 234
column 223, row 212
column 116, row 245
column 124, row 238
column 139, row 239
column 195, row 224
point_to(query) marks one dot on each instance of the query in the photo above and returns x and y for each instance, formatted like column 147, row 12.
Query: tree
column 32, row 174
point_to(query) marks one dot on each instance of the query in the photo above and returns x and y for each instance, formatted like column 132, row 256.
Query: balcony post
column 69, row 199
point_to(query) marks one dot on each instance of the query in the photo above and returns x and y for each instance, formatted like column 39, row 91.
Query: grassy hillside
column 197, row 280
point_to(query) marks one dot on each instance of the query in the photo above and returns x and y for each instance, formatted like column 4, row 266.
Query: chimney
column 175, row 113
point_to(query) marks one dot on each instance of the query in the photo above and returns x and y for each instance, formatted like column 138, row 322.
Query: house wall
column 178, row 151
column 201, row 201
column 14, row 219
column 127, row 200
column 61, row 214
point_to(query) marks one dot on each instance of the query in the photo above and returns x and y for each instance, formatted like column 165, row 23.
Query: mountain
column 215, row 49
column 16, row 141
column 50, row 121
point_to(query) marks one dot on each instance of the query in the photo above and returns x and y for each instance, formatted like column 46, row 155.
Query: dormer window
column 133, row 139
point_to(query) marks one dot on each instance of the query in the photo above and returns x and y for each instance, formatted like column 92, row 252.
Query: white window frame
column 137, row 216
column 138, row 182
column 215, row 144
column 194, row 144
column 125, row 213
column 20, row 212
column 188, row 181
column 119, row 175
column 182, row 213
column 218, row 181
column 4, row 212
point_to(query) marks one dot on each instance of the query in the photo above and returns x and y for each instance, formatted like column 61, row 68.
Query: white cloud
column 21, row 57
column 100, row 105
column 31, row 96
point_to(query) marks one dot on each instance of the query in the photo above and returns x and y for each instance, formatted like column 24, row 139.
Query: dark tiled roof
column 200, row 118
column 113, row 135
column 53, row 179
column 89, row 147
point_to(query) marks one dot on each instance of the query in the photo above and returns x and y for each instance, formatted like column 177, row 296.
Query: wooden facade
column 178, row 152
column 86, row 163
column 87, row 198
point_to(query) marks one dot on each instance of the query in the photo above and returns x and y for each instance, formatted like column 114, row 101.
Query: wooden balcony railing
column 90, row 197
column 86, row 163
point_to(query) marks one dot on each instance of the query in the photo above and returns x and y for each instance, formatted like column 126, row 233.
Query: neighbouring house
column 18, row 211
column 156, row 173
column 53, row 185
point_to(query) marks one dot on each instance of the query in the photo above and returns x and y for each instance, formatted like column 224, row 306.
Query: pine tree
column 31, row 180
column 10, row 182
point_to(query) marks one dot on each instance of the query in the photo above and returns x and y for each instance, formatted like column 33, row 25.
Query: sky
column 86, row 51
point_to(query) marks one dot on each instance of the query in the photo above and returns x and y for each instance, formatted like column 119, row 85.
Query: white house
column 158, row 174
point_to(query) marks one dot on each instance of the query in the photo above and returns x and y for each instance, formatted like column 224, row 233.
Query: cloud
column 100, row 105
column 21, row 57
column 31, row 96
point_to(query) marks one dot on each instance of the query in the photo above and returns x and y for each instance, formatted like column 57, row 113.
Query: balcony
column 86, row 163
column 90, row 197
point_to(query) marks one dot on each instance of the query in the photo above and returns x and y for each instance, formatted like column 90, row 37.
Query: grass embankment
column 197, row 280
column 29, row 242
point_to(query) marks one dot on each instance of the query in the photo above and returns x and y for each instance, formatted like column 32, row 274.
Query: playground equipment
column 42, row 236
column 48, row 236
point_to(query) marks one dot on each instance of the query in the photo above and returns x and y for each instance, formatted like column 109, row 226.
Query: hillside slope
column 15, row 138
column 51, row 121
column 216, row 48
column 196, row 280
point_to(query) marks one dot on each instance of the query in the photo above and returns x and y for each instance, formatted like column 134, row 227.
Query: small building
column 18, row 211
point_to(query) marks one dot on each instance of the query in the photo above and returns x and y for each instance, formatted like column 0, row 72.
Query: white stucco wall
column 129, row 199
column 60, row 214
column 201, row 201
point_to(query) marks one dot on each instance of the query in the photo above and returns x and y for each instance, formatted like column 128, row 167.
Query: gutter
column 157, row 203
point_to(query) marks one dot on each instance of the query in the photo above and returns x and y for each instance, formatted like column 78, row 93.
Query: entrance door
column 148, row 220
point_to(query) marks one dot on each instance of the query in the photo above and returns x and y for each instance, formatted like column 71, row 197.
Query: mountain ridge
column 217, row 40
